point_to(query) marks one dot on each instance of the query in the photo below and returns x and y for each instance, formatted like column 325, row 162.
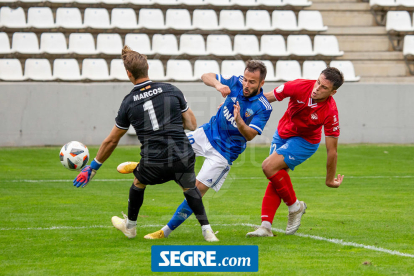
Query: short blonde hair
column 135, row 63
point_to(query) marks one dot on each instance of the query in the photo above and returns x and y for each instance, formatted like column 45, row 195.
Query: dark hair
column 135, row 63
column 253, row 65
column 335, row 76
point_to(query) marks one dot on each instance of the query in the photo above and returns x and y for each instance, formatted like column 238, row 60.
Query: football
column 74, row 155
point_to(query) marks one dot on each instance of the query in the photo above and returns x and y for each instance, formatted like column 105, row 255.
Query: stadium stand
column 38, row 70
column 95, row 69
column 270, row 76
column 139, row 42
column 123, row 18
column 246, row 45
column 347, row 68
column 232, row 67
column 312, row 68
column 53, row 43
column 66, row 70
column 273, row 45
column 287, row 70
column 117, row 71
column 4, row 44
column 25, row 43
column 205, row 66
column 11, row 70
column 156, row 70
column 192, row 44
column 179, row 70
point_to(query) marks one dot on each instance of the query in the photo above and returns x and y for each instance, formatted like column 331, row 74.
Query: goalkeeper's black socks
column 193, row 197
column 136, row 197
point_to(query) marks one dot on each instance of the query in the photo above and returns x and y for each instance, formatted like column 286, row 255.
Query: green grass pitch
column 48, row 227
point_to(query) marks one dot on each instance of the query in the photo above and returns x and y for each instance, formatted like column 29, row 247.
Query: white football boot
column 294, row 219
column 120, row 224
column 260, row 232
column 209, row 235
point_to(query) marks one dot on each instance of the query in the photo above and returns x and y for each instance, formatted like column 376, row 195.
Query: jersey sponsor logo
column 291, row 157
column 280, row 88
column 147, row 94
column 145, row 88
column 229, row 117
column 314, row 116
column 248, row 112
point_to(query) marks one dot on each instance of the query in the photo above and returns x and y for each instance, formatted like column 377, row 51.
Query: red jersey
column 304, row 118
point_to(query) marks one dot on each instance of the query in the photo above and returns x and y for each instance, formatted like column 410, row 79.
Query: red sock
column 283, row 185
column 271, row 201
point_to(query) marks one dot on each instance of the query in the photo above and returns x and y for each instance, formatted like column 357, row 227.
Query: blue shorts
column 296, row 150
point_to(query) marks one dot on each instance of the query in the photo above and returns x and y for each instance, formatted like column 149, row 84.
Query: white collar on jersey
column 143, row 83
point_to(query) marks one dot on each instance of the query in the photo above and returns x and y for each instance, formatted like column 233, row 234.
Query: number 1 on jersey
column 151, row 112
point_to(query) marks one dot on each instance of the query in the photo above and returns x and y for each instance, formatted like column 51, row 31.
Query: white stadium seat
column 270, row 75
column 408, row 45
column 25, row 43
column 248, row 3
column 406, row 3
column 4, row 44
column 247, row 45
column 95, row 69
column 219, row 45
column 398, row 21
column 116, row 2
column 87, row 1
column 139, row 43
column 299, row 3
column 109, row 44
column 384, row 3
column 232, row 67
column 69, row 18
column 272, row 3
column 179, row 70
column 82, row 43
column 313, row 68
column 97, row 18
column 32, row 1
column 347, row 68
column 192, row 44
column 311, row 21
column 124, row 18
column 178, row 19
column 156, row 70
column 13, row 18
column 151, row 19
column 11, row 70
column 273, row 45
column 66, row 69
column 40, row 18
column 205, row 20
column 232, row 20
column 327, row 45
column 299, row 45
column 142, row 2
column 205, row 66
column 38, row 69
column 258, row 20
column 118, row 71
column 194, row 2
column 165, row 44
column 284, row 20
column 60, row 1
column 287, row 70
column 168, row 2
column 53, row 43
column 219, row 2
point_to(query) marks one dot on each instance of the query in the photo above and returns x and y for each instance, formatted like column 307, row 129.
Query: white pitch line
column 335, row 241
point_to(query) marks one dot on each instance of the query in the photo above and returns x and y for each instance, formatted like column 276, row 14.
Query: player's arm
column 210, row 80
column 270, row 96
column 332, row 153
column 247, row 132
column 189, row 120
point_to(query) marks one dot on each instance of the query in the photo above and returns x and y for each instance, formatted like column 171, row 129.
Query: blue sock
column 181, row 214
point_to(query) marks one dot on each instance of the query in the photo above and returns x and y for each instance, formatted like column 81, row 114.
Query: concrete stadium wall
column 33, row 114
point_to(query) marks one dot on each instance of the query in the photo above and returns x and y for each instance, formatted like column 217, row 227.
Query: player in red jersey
column 297, row 138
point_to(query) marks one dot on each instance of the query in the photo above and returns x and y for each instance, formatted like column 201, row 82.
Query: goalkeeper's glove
column 87, row 174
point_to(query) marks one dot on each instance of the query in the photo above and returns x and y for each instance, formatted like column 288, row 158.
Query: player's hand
column 223, row 89
column 220, row 105
column 86, row 174
column 337, row 181
column 236, row 111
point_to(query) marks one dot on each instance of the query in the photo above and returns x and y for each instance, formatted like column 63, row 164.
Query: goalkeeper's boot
column 260, row 232
column 121, row 225
column 209, row 235
column 155, row 236
column 127, row 167
column 294, row 219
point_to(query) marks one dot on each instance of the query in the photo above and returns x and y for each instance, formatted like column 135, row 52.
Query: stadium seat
column 87, row 1
column 313, row 68
column 25, row 43
column 40, row 18
column 205, row 20
column 311, row 21
column 232, row 67
column 247, row 45
column 219, row 2
column 347, row 68
column 4, row 44
column 258, row 20
column 156, row 70
column 179, row 70
column 53, row 43
column 194, row 2
column 406, row 3
column 232, row 20
column 168, row 2
column 270, row 75
column 124, row 18
column 398, row 21
column 284, row 20
column 139, row 42
column 205, row 66
column 66, row 69
column 384, row 3
column 82, row 43
column 273, row 45
column 219, row 45
column 151, row 19
column 118, row 71
column 248, row 3
column 408, row 45
column 165, row 44
column 69, row 18
column 38, row 69
column 60, row 1
column 287, row 70
column 299, row 3
column 95, row 69
column 13, row 18
column 192, row 44
column 32, row 1
column 142, row 2
column 178, row 19
column 109, row 44
column 97, row 18
column 299, row 45
column 327, row 45
column 11, row 70
column 272, row 3
column 115, row 2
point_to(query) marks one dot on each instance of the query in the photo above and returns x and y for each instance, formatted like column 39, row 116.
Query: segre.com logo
column 205, row 258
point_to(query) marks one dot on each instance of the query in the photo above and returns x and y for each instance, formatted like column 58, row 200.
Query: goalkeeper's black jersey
column 154, row 110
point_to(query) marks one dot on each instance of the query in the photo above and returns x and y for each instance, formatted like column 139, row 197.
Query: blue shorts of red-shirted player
column 295, row 150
